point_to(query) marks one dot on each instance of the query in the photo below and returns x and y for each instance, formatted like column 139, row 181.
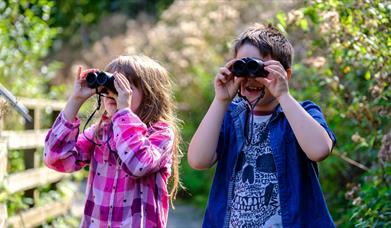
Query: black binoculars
column 101, row 78
column 249, row 67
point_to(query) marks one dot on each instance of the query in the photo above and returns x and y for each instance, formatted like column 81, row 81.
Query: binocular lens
column 249, row 67
column 253, row 67
column 101, row 78
column 91, row 79
column 96, row 79
column 239, row 67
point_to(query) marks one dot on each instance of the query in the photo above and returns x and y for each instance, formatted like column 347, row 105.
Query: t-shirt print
column 255, row 197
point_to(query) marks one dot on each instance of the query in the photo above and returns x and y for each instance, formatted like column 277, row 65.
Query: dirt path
column 184, row 216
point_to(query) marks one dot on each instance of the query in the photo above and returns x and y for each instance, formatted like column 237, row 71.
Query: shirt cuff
column 126, row 115
column 123, row 112
column 69, row 124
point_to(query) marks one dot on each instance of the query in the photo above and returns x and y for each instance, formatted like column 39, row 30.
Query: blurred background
column 342, row 62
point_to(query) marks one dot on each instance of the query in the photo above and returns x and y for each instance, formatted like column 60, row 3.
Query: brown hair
column 269, row 41
column 157, row 100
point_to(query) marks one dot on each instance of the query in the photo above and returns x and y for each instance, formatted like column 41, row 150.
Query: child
column 130, row 151
column 265, row 143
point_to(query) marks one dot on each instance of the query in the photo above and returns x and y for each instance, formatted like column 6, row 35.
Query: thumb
column 237, row 81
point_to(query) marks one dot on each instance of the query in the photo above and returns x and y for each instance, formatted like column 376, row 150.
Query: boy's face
column 250, row 87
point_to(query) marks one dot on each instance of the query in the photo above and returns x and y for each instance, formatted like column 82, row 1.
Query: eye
column 265, row 163
column 240, row 162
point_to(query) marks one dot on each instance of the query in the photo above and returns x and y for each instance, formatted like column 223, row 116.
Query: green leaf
column 367, row 75
column 281, row 18
column 303, row 24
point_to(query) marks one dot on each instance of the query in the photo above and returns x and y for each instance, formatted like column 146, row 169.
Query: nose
column 248, row 174
column 111, row 94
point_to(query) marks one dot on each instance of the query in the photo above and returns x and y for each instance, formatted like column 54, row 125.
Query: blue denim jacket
column 301, row 199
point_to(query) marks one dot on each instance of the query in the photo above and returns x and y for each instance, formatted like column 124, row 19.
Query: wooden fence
column 29, row 140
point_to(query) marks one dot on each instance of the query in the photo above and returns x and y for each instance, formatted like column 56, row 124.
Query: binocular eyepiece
column 249, row 67
column 101, row 78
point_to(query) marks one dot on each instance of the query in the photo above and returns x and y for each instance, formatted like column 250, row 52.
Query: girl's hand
column 81, row 91
column 124, row 90
column 277, row 79
column 226, row 84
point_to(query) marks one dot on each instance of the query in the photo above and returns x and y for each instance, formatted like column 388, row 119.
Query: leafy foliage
column 348, row 65
column 25, row 39
column 83, row 17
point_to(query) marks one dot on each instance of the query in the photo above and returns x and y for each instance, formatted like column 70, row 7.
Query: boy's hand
column 277, row 79
column 122, row 85
column 226, row 85
column 81, row 91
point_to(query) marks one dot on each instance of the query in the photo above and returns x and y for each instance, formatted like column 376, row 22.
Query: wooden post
column 37, row 156
column 3, row 171
column 29, row 154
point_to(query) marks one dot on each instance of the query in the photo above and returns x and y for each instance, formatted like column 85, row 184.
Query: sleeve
column 65, row 149
column 140, row 152
column 316, row 113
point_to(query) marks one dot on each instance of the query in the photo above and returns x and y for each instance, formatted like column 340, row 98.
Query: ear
column 289, row 73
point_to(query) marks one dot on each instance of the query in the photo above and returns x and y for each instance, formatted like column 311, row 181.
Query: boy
column 265, row 143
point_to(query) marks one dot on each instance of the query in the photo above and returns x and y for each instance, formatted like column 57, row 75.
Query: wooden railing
column 34, row 176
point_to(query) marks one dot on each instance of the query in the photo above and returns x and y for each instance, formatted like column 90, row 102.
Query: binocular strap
column 248, row 128
column 98, row 101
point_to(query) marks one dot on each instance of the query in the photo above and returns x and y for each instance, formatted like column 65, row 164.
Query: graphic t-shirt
column 255, row 201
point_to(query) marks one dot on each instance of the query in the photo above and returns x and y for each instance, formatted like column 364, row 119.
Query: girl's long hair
column 157, row 101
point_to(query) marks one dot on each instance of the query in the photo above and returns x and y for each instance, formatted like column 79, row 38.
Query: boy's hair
column 269, row 41
column 157, row 99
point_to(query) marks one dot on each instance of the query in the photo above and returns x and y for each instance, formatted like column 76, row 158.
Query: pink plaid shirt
column 127, row 182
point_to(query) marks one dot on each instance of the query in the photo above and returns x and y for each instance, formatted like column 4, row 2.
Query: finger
column 265, row 81
column 84, row 73
column 273, row 73
column 273, row 62
column 117, row 86
column 124, row 80
column 78, row 74
column 225, row 70
column 221, row 78
column 226, row 73
column 278, row 69
column 230, row 62
column 120, row 82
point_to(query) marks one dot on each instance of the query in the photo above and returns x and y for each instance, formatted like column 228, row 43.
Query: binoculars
column 249, row 67
column 101, row 78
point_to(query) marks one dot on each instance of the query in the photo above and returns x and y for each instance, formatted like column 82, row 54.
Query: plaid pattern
column 129, row 168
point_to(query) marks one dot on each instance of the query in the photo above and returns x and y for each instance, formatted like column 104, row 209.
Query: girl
column 130, row 151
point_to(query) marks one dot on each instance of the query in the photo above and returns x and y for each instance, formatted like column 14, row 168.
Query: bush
column 346, row 68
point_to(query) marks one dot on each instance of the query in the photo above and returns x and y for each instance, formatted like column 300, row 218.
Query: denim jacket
column 301, row 199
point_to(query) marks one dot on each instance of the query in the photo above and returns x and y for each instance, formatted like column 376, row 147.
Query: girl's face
column 110, row 102
column 250, row 87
